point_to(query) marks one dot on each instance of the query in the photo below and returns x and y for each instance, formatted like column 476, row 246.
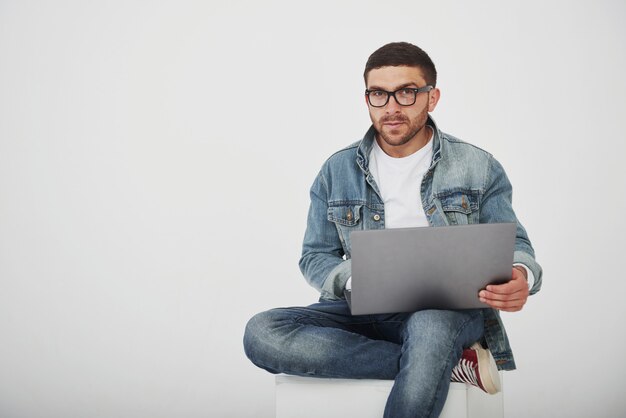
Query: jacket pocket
column 460, row 208
column 347, row 218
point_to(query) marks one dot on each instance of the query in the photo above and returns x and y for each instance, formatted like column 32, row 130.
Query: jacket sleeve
column 322, row 262
column 496, row 206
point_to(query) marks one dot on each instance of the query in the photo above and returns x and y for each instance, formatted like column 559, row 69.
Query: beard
column 392, row 136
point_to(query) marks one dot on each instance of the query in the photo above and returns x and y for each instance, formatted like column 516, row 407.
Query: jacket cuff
column 336, row 280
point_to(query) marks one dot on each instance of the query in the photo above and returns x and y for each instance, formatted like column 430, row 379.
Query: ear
column 433, row 99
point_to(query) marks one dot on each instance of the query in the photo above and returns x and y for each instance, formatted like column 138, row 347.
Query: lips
column 392, row 123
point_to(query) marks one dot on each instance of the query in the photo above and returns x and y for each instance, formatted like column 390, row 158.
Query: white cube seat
column 310, row 397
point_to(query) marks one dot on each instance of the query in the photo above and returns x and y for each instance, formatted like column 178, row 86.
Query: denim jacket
column 464, row 185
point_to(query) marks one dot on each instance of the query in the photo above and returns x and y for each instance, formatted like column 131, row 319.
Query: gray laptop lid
column 408, row 269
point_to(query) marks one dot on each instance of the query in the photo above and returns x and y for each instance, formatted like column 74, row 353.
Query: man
column 405, row 172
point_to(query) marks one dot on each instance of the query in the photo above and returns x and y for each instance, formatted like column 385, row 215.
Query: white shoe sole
column 488, row 370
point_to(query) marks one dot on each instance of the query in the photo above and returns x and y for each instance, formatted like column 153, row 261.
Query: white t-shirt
column 399, row 181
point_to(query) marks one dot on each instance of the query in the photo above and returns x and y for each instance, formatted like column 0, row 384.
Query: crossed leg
column 418, row 349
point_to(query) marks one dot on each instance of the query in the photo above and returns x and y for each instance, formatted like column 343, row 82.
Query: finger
column 503, row 304
column 508, row 306
column 505, row 288
column 504, row 296
column 513, row 285
column 500, row 300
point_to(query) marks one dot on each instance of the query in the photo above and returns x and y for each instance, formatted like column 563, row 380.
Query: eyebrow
column 401, row 86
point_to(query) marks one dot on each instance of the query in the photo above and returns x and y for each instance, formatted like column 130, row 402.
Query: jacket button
column 377, row 217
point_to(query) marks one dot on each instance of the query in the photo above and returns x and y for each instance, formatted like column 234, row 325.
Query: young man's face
column 400, row 128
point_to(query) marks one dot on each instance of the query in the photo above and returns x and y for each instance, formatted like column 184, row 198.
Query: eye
column 406, row 92
column 378, row 93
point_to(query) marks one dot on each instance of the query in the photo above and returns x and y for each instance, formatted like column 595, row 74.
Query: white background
column 155, row 160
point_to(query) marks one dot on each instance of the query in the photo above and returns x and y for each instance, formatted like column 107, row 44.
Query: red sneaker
column 477, row 367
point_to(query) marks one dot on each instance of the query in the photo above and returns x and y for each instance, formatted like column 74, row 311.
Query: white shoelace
column 465, row 372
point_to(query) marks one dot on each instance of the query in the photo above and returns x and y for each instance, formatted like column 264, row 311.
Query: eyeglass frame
column 393, row 93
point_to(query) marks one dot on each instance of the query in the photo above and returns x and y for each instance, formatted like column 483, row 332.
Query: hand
column 510, row 296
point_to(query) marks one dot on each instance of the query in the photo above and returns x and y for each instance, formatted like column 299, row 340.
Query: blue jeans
column 417, row 349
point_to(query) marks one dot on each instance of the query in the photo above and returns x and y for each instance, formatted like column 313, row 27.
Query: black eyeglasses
column 405, row 96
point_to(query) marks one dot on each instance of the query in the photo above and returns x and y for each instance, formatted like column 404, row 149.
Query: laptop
column 409, row 269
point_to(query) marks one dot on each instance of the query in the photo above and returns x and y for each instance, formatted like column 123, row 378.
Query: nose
column 392, row 105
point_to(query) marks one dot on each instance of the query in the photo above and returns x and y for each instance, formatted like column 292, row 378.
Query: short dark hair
column 397, row 54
